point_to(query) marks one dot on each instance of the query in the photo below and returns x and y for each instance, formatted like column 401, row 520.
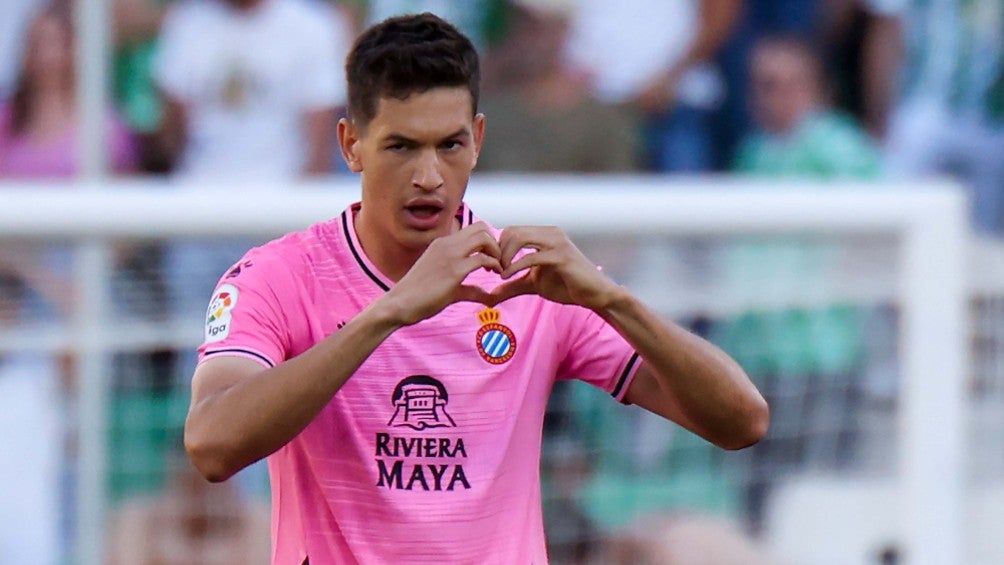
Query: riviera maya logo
column 420, row 403
column 218, row 313
column 495, row 342
column 420, row 462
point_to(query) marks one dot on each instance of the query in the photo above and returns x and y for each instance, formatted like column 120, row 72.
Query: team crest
column 218, row 313
column 495, row 342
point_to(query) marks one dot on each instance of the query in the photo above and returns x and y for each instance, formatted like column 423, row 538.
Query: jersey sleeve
column 246, row 316
column 595, row 353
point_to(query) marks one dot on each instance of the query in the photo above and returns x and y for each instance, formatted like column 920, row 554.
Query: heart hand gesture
column 556, row 270
column 436, row 280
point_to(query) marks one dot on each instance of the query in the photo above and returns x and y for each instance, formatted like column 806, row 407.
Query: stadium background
column 863, row 296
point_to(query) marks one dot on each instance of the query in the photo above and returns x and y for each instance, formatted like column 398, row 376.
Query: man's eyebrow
column 462, row 132
column 404, row 139
column 399, row 138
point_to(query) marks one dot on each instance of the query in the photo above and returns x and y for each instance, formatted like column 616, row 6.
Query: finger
column 469, row 293
column 516, row 238
column 479, row 225
column 479, row 260
column 516, row 287
column 489, row 245
column 529, row 260
column 479, row 238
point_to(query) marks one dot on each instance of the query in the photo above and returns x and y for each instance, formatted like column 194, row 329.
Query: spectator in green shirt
column 808, row 357
column 797, row 134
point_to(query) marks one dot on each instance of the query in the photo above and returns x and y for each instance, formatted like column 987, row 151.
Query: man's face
column 784, row 88
column 415, row 157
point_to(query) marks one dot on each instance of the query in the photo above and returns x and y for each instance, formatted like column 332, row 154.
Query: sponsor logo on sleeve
column 218, row 317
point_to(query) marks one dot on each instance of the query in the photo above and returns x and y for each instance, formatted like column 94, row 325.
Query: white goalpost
column 928, row 222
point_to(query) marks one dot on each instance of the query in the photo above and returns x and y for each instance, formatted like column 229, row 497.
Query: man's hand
column 436, row 280
column 681, row 377
column 557, row 270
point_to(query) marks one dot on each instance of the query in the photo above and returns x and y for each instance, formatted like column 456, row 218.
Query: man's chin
column 420, row 239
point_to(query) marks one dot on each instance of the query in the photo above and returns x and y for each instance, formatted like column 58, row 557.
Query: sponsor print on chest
column 425, row 462
column 410, row 455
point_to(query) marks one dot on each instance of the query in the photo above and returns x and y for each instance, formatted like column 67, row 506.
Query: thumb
column 516, row 287
column 468, row 293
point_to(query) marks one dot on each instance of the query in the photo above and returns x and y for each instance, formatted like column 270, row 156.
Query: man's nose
column 427, row 175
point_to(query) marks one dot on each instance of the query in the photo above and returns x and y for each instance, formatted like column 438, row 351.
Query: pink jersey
column 430, row 452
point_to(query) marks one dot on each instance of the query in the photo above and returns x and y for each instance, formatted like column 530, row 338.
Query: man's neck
column 389, row 257
column 393, row 261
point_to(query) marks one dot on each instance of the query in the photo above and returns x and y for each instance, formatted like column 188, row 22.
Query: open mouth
column 424, row 211
column 424, row 215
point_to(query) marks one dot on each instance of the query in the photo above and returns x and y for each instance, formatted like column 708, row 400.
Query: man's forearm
column 695, row 382
column 256, row 416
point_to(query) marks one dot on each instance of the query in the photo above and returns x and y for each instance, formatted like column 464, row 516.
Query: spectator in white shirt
column 657, row 57
column 252, row 91
column 252, row 87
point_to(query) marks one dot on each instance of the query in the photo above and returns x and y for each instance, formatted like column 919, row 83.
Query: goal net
column 866, row 315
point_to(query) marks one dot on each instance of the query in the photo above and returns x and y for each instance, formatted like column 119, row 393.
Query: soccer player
column 394, row 363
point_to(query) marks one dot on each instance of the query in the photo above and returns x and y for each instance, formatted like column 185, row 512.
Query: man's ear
column 479, row 136
column 348, row 142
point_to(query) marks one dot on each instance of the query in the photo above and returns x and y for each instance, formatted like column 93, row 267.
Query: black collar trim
column 464, row 215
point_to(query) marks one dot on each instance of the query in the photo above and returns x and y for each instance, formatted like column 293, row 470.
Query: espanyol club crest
column 495, row 342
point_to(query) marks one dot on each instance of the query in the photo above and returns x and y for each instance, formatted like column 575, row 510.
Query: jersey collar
column 464, row 215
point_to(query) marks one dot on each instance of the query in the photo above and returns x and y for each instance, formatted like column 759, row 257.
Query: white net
column 813, row 307
column 821, row 350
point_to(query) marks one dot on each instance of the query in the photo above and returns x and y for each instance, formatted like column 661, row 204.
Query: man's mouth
column 424, row 211
column 424, row 215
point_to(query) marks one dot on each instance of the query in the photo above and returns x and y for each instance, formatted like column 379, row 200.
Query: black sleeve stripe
column 624, row 375
column 244, row 351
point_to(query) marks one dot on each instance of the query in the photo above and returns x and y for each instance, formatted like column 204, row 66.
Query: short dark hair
column 405, row 55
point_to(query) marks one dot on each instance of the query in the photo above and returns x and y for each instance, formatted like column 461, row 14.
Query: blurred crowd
column 808, row 87
column 253, row 89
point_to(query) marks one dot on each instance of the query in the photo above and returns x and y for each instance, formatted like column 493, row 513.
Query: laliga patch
column 218, row 314
column 495, row 342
